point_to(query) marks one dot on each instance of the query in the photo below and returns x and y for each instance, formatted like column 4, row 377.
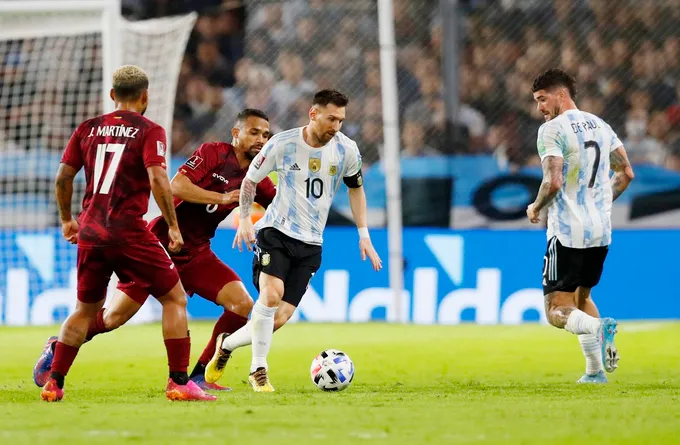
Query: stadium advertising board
column 486, row 277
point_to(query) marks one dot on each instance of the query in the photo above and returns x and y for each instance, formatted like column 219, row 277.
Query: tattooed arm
column 552, row 182
column 246, row 232
column 623, row 172
column 247, row 197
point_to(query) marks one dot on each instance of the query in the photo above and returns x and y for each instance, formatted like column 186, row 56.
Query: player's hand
column 176, row 241
column 367, row 250
column 245, row 234
column 532, row 214
column 70, row 231
column 231, row 197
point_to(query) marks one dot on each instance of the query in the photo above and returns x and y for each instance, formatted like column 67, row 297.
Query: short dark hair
column 555, row 78
column 325, row 97
column 243, row 116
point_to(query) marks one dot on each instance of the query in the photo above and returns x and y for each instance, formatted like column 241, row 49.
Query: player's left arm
column 623, row 171
column 552, row 161
column 354, row 181
column 71, row 163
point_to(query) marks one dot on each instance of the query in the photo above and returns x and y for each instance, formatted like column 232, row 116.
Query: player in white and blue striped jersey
column 310, row 162
column 577, row 151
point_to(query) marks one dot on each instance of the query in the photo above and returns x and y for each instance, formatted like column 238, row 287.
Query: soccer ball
column 332, row 370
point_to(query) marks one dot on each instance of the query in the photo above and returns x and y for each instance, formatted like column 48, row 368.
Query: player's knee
column 176, row 296
column 242, row 306
column 271, row 293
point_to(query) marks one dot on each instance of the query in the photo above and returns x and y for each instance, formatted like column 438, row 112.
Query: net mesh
column 50, row 81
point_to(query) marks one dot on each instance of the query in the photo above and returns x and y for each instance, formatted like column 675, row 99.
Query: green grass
column 413, row 384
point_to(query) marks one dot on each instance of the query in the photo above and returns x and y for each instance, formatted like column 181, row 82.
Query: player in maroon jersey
column 123, row 155
column 206, row 190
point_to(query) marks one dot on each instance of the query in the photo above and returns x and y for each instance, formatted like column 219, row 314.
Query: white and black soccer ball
column 332, row 370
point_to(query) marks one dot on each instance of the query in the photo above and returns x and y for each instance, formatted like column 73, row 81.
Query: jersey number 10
column 314, row 187
column 102, row 149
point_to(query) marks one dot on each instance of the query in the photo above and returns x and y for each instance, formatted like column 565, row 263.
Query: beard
column 252, row 152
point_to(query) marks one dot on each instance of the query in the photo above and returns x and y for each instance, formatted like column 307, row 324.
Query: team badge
column 194, row 162
column 333, row 170
column 265, row 259
column 314, row 165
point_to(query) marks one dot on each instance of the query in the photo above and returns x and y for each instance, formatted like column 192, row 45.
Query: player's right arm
column 198, row 166
column 263, row 164
column 623, row 171
column 71, row 163
column 552, row 161
column 154, row 161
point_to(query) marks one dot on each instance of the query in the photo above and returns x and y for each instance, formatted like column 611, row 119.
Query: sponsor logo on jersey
column 194, row 162
column 295, row 167
column 333, row 170
column 220, row 177
column 314, row 165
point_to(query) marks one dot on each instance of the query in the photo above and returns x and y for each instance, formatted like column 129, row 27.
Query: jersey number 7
column 102, row 149
column 596, row 165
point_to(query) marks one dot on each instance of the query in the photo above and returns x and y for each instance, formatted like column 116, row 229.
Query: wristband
column 363, row 233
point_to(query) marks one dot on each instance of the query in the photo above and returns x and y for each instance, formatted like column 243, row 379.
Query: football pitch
column 413, row 384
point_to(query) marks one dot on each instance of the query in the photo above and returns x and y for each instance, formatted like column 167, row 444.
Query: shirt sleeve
column 615, row 141
column 154, row 148
column 549, row 142
column 264, row 163
column 201, row 162
column 353, row 165
column 265, row 192
column 73, row 156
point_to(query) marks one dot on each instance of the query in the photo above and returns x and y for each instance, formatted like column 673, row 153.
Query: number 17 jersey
column 115, row 150
column 580, row 214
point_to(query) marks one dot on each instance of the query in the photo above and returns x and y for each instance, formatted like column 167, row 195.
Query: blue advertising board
column 482, row 276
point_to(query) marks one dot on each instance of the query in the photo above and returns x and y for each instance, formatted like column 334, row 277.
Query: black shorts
column 291, row 260
column 566, row 268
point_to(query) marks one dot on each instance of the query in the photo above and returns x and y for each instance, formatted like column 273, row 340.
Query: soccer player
column 123, row 154
column 577, row 150
column 310, row 162
column 206, row 190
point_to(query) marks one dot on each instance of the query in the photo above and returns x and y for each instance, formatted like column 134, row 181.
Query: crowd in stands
column 625, row 56
column 273, row 54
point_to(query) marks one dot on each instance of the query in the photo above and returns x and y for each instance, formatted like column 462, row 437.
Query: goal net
column 56, row 61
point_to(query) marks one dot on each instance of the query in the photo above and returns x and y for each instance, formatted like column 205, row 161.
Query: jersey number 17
column 100, row 159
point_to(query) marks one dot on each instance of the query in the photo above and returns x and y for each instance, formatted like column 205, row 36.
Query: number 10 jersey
column 580, row 214
column 308, row 179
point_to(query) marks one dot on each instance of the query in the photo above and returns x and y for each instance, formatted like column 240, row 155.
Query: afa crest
column 314, row 165
column 333, row 170
column 265, row 259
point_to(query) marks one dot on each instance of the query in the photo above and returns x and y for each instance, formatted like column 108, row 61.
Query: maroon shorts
column 145, row 262
column 202, row 273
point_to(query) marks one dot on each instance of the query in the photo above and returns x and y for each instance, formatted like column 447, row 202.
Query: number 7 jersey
column 580, row 214
column 308, row 179
column 115, row 150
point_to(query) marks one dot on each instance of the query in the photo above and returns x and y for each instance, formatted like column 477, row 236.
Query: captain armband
column 354, row 181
